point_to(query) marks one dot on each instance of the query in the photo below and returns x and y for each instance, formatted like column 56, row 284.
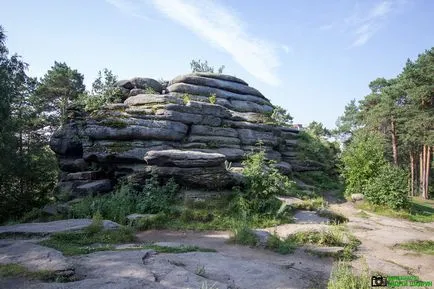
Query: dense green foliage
column 103, row 92
column 59, row 87
column 314, row 145
column 388, row 188
column 362, row 160
column 281, row 117
column 398, row 114
column 128, row 199
column 28, row 169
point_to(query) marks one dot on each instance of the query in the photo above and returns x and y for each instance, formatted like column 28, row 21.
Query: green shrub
column 388, row 188
column 127, row 199
column 243, row 235
column 212, row 98
column 362, row 161
column 263, row 184
column 285, row 246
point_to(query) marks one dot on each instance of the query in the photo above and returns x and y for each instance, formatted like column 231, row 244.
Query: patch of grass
column 286, row 246
column 175, row 250
column 200, row 270
column 418, row 211
column 334, row 217
column 343, row 277
column 310, row 204
column 83, row 242
column 363, row 215
column 215, row 214
column 243, row 235
column 335, row 236
column 319, row 180
column 420, row 246
column 13, row 270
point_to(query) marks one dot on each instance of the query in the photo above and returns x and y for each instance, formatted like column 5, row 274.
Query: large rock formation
column 189, row 129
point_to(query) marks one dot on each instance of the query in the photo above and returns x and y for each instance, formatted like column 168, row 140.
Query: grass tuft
column 343, row 277
column 13, row 270
column 244, row 236
column 419, row 211
column 420, row 246
column 83, row 242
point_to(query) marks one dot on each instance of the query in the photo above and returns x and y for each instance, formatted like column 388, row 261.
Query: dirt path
column 379, row 234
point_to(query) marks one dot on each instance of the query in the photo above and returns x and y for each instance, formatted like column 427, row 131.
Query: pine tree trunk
column 412, row 174
column 394, row 143
column 421, row 173
column 427, row 169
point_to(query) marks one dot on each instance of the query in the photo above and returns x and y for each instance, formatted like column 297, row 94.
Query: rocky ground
column 230, row 266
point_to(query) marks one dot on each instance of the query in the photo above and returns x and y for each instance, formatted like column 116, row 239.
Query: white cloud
column 326, row 27
column 286, row 48
column 365, row 27
column 222, row 28
column 127, row 7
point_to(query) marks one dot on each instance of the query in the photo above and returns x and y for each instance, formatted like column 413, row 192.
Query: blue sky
column 311, row 57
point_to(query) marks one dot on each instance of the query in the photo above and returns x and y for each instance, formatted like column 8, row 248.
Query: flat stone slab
column 34, row 257
column 98, row 283
column 325, row 250
column 262, row 236
column 170, row 244
column 180, row 158
column 309, row 217
column 115, row 264
column 53, row 227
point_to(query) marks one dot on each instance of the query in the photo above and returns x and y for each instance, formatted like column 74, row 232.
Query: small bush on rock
column 186, row 98
column 212, row 98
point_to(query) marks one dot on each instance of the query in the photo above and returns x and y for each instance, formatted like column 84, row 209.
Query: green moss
column 120, row 147
column 13, row 270
column 115, row 123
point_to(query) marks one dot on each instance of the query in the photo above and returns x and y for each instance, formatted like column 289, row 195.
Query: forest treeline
column 390, row 134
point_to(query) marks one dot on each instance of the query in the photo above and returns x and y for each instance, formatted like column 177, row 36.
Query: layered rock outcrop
column 189, row 128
